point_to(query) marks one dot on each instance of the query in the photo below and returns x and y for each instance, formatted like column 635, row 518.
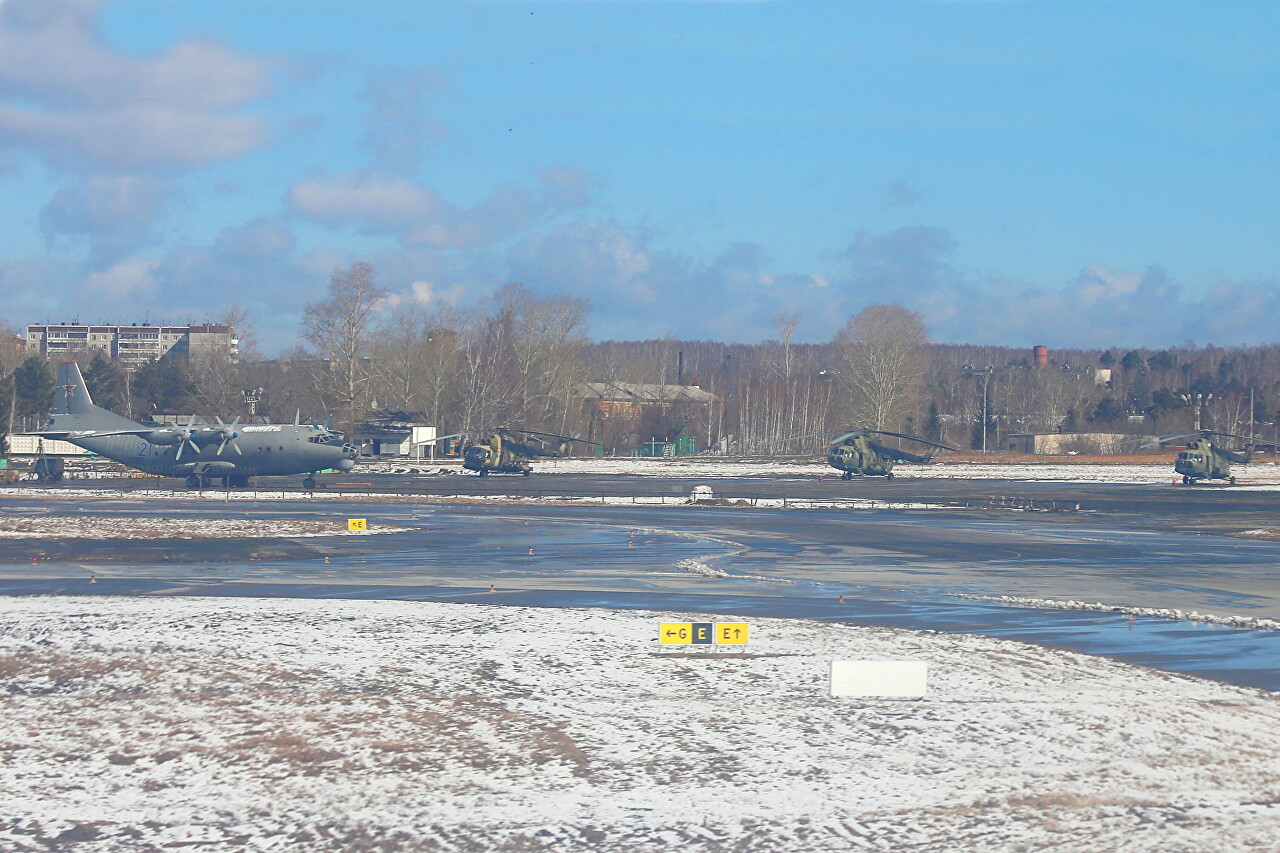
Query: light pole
column 985, row 373
column 252, row 396
column 1198, row 400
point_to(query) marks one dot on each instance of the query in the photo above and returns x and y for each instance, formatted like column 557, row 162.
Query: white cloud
column 1099, row 306
column 377, row 202
column 418, row 216
column 78, row 104
column 129, row 278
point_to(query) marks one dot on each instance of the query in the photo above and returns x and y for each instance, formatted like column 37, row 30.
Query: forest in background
column 522, row 359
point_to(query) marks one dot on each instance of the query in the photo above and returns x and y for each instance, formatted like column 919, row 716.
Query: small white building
column 393, row 438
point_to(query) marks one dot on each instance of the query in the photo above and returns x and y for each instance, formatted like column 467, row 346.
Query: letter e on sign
column 356, row 525
column 703, row 633
column 675, row 633
column 731, row 633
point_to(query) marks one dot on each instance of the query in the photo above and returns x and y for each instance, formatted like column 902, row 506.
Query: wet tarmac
column 891, row 567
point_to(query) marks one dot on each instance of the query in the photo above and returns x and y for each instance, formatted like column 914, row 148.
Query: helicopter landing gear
column 309, row 483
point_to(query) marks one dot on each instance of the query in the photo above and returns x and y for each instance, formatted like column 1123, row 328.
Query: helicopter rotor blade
column 1207, row 432
column 1167, row 438
column 798, row 437
column 1122, row 443
column 910, row 438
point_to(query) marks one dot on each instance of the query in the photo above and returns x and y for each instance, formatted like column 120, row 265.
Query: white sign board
column 892, row 679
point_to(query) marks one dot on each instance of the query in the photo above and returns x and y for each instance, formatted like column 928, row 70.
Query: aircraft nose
column 346, row 464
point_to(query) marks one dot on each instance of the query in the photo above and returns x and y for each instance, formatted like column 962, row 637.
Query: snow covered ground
column 142, row 724
column 131, row 527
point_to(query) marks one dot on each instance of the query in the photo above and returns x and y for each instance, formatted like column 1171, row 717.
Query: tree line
column 523, row 359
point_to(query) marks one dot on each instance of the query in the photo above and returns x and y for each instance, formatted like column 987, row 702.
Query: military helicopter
column 854, row 452
column 512, row 451
column 1202, row 459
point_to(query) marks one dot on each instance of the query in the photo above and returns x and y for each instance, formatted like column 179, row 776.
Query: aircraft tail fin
column 73, row 408
column 71, row 397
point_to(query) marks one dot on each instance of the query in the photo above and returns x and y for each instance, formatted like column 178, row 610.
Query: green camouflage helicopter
column 512, row 451
column 854, row 452
column 1202, row 459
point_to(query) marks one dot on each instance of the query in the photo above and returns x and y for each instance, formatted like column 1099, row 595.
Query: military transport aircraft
column 853, row 452
column 194, row 451
column 512, row 451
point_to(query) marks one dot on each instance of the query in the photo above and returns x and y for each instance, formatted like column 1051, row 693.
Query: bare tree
column 341, row 330
column 881, row 353
column 217, row 376
column 398, row 357
column 785, row 324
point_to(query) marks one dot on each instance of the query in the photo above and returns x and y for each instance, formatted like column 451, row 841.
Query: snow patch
column 1247, row 622
column 697, row 567
column 337, row 725
column 138, row 527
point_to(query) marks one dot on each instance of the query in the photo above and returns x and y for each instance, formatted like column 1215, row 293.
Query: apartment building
column 132, row 344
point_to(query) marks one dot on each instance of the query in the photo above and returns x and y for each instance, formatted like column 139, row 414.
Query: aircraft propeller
column 188, row 437
column 229, row 435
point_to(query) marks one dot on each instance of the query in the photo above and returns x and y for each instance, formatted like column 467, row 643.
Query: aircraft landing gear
column 847, row 475
column 309, row 483
column 526, row 473
column 483, row 473
column 1232, row 480
column 198, row 481
column 1186, row 481
column 889, row 476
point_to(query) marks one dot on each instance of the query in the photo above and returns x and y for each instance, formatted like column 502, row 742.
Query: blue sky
column 1069, row 173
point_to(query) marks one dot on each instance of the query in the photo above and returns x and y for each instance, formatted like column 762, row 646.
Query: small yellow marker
column 357, row 525
column 675, row 633
column 732, row 633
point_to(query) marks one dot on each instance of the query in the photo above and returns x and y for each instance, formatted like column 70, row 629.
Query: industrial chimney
column 1041, row 354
